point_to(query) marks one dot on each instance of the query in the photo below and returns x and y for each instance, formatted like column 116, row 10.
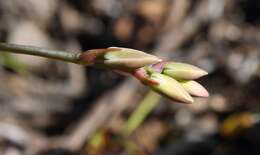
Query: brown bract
column 89, row 57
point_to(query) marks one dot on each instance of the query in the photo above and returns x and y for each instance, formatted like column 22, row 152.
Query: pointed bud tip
column 189, row 100
column 204, row 93
column 203, row 73
column 194, row 88
column 183, row 71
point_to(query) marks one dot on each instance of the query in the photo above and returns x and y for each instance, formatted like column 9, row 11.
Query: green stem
column 37, row 51
column 142, row 111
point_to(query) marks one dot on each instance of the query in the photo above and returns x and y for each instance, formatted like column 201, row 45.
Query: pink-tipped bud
column 194, row 88
column 170, row 88
column 183, row 71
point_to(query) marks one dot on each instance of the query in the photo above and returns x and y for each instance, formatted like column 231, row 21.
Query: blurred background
column 51, row 107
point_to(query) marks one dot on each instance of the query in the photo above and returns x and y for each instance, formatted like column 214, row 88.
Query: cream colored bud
column 194, row 88
column 120, row 58
column 183, row 71
column 170, row 88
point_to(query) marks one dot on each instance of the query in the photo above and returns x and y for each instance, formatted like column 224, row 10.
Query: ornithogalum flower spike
column 171, row 79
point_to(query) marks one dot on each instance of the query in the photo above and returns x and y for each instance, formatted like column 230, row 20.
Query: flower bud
column 170, row 88
column 125, row 59
column 183, row 71
column 194, row 88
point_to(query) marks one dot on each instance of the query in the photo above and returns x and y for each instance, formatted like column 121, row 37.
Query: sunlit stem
column 43, row 52
column 143, row 110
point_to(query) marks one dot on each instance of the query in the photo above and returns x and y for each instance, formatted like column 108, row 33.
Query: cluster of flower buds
column 171, row 79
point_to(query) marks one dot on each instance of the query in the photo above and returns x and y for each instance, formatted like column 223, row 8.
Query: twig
column 38, row 51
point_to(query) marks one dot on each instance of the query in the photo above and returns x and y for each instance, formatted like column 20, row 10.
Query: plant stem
column 38, row 51
column 142, row 111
